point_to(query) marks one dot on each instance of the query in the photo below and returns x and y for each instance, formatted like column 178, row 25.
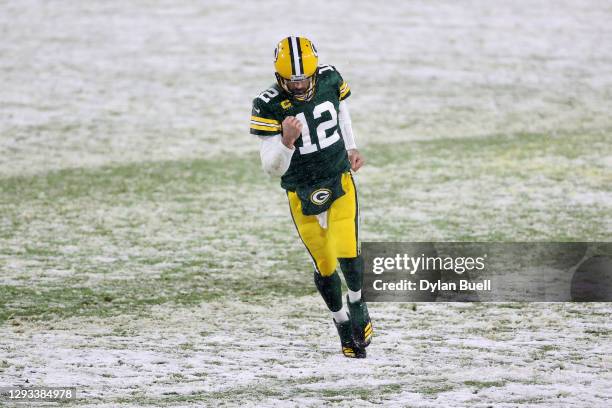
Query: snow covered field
column 87, row 83
column 130, row 269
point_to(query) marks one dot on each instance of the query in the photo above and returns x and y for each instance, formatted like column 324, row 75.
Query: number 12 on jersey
column 324, row 140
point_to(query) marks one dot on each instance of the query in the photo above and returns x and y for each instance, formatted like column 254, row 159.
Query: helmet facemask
column 304, row 96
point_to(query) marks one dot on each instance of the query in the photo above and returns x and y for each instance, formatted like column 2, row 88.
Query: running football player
column 306, row 137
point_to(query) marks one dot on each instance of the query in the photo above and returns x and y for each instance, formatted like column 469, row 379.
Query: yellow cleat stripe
column 264, row 120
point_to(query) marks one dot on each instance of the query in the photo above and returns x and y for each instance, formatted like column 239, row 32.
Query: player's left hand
column 356, row 159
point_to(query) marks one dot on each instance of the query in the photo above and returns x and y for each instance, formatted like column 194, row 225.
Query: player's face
column 299, row 87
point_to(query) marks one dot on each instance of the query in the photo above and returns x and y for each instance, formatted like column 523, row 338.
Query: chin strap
column 282, row 82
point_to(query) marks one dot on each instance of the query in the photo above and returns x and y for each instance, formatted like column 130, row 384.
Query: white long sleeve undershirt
column 344, row 120
column 276, row 157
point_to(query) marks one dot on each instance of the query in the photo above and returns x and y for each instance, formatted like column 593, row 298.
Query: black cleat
column 361, row 323
column 349, row 347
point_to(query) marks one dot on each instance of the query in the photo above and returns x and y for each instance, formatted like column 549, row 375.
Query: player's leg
column 344, row 231
column 352, row 268
column 328, row 283
column 330, row 289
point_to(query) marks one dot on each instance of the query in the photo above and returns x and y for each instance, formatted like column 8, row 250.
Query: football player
column 306, row 137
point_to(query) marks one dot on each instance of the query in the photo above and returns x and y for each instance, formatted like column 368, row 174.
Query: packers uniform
column 320, row 155
column 316, row 173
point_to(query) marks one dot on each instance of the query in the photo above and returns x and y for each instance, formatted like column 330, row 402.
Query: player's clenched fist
column 292, row 128
column 356, row 159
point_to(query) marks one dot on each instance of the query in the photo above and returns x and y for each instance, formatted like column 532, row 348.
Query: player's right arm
column 276, row 147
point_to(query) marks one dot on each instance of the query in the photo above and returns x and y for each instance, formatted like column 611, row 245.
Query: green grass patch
column 484, row 384
column 132, row 297
column 186, row 232
column 436, row 389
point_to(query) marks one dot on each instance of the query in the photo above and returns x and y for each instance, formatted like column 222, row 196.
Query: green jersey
column 320, row 150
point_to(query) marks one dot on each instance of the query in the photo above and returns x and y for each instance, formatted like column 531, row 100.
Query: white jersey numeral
column 268, row 94
column 307, row 146
column 324, row 140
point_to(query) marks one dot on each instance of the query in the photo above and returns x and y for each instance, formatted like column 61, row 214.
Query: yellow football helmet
column 296, row 60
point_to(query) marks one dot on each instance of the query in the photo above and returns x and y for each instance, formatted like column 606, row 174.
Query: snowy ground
column 436, row 356
column 87, row 83
column 128, row 267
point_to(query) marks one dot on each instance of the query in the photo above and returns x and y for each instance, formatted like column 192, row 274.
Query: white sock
column 341, row 315
column 354, row 296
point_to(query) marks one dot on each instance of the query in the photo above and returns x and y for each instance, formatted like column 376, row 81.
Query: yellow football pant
column 340, row 238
